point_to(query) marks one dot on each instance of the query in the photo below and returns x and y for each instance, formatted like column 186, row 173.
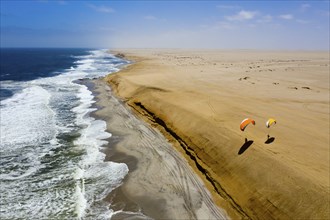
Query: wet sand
column 160, row 183
column 197, row 99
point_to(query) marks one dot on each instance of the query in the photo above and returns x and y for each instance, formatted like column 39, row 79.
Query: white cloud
column 300, row 21
column 103, row 9
column 265, row 19
column 252, row 25
column 325, row 13
column 225, row 25
column 242, row 16
column 150, row 17
column 286, row 16
column 304, row 7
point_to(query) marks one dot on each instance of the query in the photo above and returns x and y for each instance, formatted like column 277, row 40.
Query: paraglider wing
column 246, row 122
column 270, row 122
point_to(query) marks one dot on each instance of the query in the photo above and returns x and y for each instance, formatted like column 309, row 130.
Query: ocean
column 51, row 160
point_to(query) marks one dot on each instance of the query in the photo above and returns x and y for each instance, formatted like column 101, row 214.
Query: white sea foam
column 131, row 215
column 43, row 174
column 15, row 175
column 24, row 114
column 105, row 175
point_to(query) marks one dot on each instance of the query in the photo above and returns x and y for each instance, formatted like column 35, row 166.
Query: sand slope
column 198, row 99
column 160, row 183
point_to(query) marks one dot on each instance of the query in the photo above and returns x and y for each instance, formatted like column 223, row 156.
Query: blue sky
column 292, row 25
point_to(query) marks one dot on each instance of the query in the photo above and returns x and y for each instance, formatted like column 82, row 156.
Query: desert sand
column 160, row 183
column 197, row 99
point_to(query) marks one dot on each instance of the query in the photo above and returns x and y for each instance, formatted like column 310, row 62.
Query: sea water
column 51, row 163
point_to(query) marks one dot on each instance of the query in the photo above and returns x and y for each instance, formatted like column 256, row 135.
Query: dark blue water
column 28, row 63
column 24, row 64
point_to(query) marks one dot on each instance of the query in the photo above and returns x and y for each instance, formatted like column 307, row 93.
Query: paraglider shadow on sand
column 245, row 146
column 270, row 140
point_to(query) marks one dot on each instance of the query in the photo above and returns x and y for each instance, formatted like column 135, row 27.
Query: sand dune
column 160, row 183
column 197, row 99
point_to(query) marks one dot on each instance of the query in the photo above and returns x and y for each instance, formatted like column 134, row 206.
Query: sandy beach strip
column 160, row 183
column 197, row 99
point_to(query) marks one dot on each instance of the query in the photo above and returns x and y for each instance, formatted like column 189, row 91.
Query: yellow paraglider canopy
column 270, row 122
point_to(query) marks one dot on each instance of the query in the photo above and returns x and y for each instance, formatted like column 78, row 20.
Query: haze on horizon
column 289, row 25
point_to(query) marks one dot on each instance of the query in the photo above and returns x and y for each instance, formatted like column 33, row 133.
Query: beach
column 197, row 100
column 160, row 183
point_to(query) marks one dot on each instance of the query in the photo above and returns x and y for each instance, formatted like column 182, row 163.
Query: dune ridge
column 197, row 100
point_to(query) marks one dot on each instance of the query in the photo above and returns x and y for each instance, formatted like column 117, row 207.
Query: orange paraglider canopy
column 246, row 122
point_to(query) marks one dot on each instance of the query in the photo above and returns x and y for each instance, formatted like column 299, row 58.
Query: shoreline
column 158, row 88
column 159, row 184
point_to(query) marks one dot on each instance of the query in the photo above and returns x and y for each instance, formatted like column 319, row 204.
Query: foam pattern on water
column 50, row 158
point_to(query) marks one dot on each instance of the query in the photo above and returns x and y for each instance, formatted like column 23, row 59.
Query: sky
column 289, row 25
